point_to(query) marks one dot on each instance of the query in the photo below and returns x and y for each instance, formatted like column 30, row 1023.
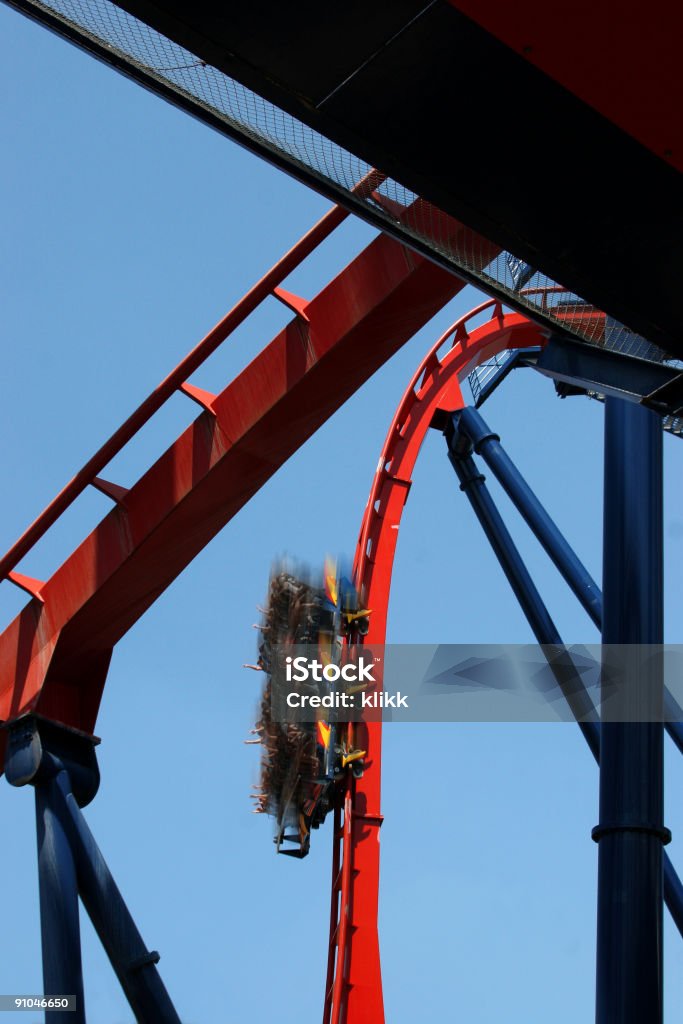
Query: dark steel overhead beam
column 460, row 119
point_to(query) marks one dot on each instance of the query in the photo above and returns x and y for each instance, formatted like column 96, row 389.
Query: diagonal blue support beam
column 61, row 765
column 134, row 964
column 486, row 443
column 473, row 484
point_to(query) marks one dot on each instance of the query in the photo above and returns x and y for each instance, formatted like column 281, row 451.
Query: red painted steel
column 341, row 933
column 170, row 385
column 177, row 379
column 54, row 657
column 334, row 907
column 354, row 983
column 27, row 583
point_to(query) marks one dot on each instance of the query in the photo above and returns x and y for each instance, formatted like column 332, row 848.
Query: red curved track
column 354, row 983
column 55, row 655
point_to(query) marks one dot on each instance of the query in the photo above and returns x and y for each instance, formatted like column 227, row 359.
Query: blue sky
column 129, row 229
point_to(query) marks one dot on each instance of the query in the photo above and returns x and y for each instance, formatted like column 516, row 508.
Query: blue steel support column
column 473, row 484
column 134, row 964
column 631, row 830
column 61, row 764
column 487, row 444
column 59, row 924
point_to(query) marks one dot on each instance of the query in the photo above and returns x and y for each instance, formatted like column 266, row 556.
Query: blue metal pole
column 487, row 444
column 673, row 893
column 673, row 714
column 673, row 889
column 59, row 923
column 134, row 964
column 631, row 831
column 473, row 484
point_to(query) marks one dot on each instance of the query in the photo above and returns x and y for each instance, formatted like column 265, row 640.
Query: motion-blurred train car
column 303, row 761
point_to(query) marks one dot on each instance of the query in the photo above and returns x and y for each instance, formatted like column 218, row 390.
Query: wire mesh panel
column 486, row 372
column 127, row 42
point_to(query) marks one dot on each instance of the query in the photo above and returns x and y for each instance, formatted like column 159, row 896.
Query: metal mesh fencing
column 486, row 372
column 112, row 32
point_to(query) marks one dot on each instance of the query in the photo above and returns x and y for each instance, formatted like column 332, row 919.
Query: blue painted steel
column 674, row 715
column 488, row 376
column 36, row 742
column 673, row 892
column 473, row 484
column 607, row 372
column 520, row 271
column 487, row 444
column 673, row 889
column 59, row 923
column 631, row 830
column 61, row 764
column 133, row 963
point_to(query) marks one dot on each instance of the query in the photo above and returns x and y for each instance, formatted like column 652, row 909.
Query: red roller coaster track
column 354, row 985
column 54, row 657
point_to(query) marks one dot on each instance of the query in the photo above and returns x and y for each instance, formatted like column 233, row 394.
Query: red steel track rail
column 176, row 381
column 55, row 655
column 354, row 984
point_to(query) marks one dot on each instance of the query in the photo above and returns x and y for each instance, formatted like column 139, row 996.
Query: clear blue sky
column 129, row 229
